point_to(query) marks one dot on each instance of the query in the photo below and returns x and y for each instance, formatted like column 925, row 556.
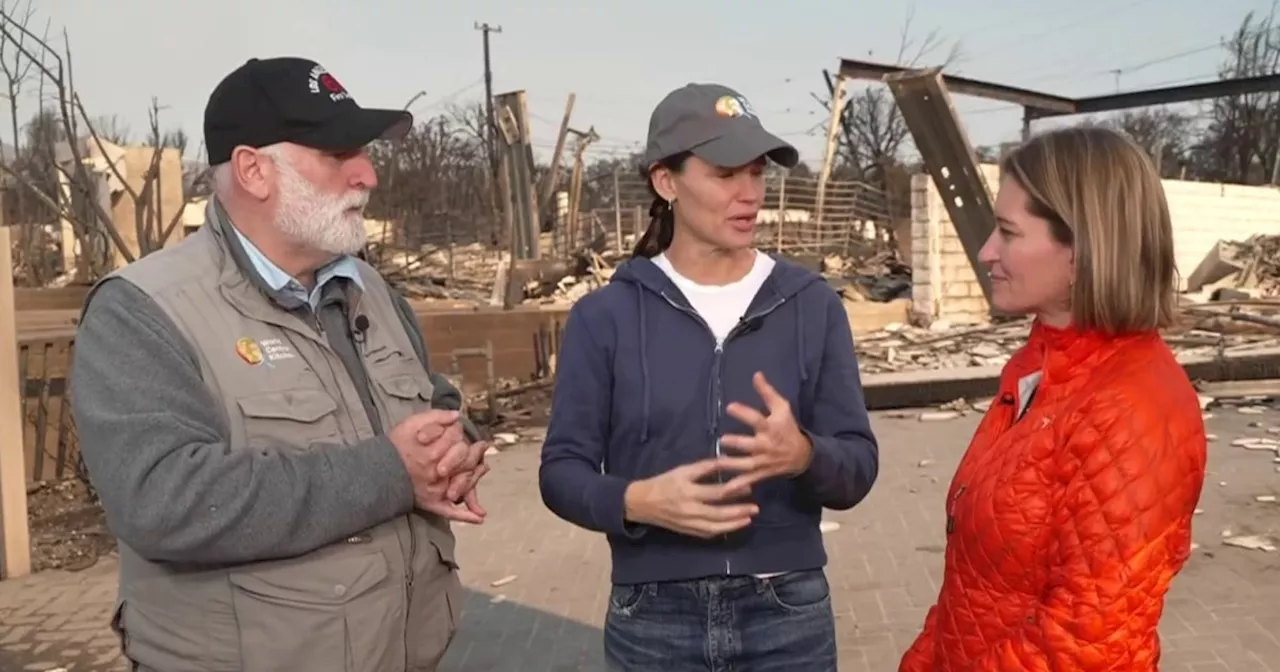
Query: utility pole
column 485, row 29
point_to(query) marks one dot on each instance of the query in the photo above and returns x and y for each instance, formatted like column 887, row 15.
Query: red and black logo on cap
column 323, row 82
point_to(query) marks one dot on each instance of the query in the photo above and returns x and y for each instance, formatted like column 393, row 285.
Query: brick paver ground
column 1223, row 614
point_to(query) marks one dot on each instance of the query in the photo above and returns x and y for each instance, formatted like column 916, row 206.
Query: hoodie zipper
column 717, row 375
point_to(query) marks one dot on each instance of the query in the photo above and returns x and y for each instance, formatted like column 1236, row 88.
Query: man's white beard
column 322, row 221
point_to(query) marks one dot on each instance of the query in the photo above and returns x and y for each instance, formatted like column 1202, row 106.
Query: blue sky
column 621, row 58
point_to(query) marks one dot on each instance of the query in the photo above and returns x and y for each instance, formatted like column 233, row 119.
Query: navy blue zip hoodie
column 641, row 388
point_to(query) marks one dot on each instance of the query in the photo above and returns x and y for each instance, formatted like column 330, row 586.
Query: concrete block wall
column 1206, row 212
column 944, row 286
column 1203, row 213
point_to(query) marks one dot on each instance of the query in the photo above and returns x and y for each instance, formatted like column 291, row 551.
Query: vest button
column 339, row 590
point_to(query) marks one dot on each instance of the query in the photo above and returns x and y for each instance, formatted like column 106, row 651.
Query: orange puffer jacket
column 1066, row 526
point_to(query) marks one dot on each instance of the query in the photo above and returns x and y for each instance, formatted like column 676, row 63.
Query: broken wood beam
column 512, row 111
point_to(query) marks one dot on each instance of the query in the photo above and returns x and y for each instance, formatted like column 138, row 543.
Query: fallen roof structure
column 924, row 99
column 1040, row 105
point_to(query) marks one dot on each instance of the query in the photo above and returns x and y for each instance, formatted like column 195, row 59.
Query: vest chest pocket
column 405, row 391
column 337, row 614
column 294, row 418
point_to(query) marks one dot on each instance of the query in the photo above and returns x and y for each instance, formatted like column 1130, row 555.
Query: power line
column 1109, row 11
column 1209, row 76
column 1171, row 57
column 1128, row 69
column 1036, row 18
column 447, row 98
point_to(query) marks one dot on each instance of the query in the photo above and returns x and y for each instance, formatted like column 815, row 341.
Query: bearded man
column 256, row 411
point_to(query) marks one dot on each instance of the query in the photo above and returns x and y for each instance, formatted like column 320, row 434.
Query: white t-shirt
column 721, row 306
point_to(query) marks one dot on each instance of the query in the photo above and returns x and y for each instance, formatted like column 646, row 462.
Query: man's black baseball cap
column 270, row 100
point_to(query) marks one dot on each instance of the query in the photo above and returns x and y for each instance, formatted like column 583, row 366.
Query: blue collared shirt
column 278, row 280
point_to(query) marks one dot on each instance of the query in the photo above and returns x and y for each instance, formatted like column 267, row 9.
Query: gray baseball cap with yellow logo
column 717, row 125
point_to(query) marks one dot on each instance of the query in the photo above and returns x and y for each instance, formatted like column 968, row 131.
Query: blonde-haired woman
column 1070, row 513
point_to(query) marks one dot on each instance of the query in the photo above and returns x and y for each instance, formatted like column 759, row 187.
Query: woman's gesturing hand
column 778, row 447
column 679, row 501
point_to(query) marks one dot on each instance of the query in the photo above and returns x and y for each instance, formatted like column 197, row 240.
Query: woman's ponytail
column 657, row 237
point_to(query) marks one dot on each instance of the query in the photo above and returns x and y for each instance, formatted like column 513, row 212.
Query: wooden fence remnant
column 15, row 536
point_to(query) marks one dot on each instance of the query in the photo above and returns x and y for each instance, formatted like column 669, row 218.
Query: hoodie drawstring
column 800, row 352
column 644, row 366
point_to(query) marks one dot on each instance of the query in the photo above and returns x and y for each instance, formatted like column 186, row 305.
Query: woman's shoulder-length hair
column 1102, row 194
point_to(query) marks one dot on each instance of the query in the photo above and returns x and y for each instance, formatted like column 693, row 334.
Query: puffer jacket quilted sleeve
column 1068, row 524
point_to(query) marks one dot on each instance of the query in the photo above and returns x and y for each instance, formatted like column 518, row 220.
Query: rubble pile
column 516, row 404
column 1239, row 269
column 587, row 271
column 902, row 347
column 465, row 273
column 68, row 529
column 469, row 273
column 879, row 277
column 1263, row 269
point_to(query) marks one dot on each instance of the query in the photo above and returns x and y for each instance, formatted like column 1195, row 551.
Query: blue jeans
column 723, row 624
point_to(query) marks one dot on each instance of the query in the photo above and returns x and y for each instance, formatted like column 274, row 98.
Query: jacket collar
column 1063, row 353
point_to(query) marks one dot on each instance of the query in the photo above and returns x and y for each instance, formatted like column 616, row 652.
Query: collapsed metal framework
column 1039, row 105
column 923, row 96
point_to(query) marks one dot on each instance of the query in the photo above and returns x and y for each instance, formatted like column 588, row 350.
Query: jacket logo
column 268, row 351
column 249, row 351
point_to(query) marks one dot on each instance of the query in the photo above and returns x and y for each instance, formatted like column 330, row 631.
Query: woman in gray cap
column 708, row 408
